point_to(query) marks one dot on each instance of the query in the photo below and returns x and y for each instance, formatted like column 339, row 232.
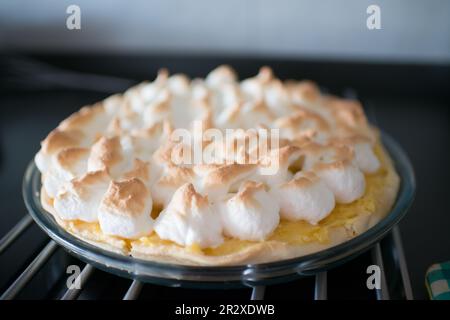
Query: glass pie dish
column 224, row 276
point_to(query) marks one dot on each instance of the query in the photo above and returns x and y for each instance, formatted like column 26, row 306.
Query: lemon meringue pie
column 109, row 176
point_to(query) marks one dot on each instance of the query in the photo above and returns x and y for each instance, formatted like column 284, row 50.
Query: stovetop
column 409, row 102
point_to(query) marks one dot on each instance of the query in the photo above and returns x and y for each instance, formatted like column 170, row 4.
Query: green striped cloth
column 438, row 281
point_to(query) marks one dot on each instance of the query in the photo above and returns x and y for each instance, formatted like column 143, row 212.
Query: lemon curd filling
column 291, row 232
column 96, row 234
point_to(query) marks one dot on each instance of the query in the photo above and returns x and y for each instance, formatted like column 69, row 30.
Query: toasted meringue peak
column 317, row 155
column 159, row 109
column 334, row 165
column 188, row 220
column 52, row 183
column 125, row 210
column 185, row 197
column 343, row 178
column 286, row 154
column 163, row 155
column 135, row 100
column 149, row 92
column 154, row 131
column 255, row 113
column 364, row 155
column 202, row 170
column 146, row 141
column 304, row 118
column 185, row 112
column 265, row 75
column 300, row 122
column 140, row 170
column 305, row 92
column 241, row 147
column 225, row 179
column 73, row 160
column 106, row 154
column 54, row 142
column 92, row 120
column 82, row 197
column 127, row 197
column 162, row 76
column 80, row 118
column 229, row 117
column 200, row 91
column 59, row 139
column 112, row 104
column 251, row 214
column 178, row 84
column 129, row 116
column 305, row 197
column 115, row 127
column 274, row 168
column 132, row 147
column 67, row 164
column 252, row 89
column 176, row 175
column 221, row 75
column 347, row 112
column 277, row 99
column 171, row 179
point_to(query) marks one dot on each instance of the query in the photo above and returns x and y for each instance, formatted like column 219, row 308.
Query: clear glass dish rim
column 251, row 274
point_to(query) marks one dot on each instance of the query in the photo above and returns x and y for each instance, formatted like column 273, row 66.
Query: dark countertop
column 409, row 102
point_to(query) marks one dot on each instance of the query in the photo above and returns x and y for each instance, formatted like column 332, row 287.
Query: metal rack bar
column 402, row 263
column 30, row 271
column 16, row 231
column 320, row 289
column 133, row 291
column 258, row 293
column 377, row 258
column 72, row 294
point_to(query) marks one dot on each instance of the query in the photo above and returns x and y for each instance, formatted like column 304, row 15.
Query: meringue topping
column 111, row 154
column 82, row 197
column 334, row 165
column 67, row 164
column 365, row 158
column 305, row 197
column 251, row 214
column 122, row 149
column 221, row 75
column 54, row 142
column 171, row 178
column 125, row 210
column 345, row 180
column 218, row 182
column 188, row 220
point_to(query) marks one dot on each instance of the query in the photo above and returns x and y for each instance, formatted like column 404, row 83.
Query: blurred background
column 411, row 31
column 401, row 73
